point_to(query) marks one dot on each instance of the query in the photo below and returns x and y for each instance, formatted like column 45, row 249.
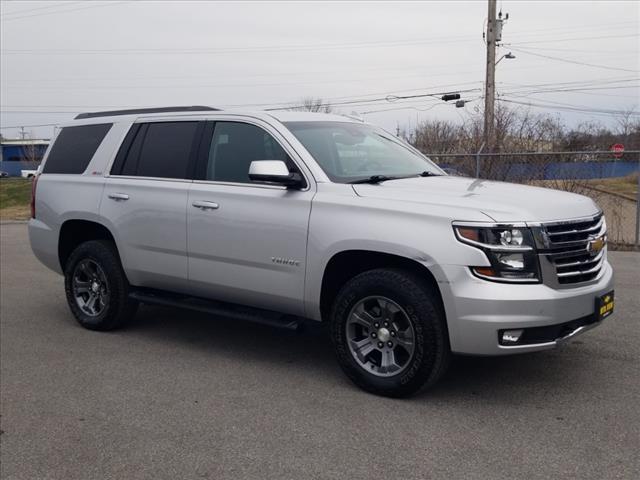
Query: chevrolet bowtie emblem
column 596, row 245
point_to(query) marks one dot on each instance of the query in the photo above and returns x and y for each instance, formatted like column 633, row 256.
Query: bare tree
column 438, row 136
column 627, row 121
column 312, row 104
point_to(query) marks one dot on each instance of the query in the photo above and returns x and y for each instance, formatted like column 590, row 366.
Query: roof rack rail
column 110, row 113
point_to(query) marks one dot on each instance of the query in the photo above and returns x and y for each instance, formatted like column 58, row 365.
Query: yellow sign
column 606, row 306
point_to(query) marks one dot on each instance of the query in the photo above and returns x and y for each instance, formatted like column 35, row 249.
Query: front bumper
column 478, row 309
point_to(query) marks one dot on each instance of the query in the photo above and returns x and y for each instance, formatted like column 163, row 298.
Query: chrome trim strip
column 551, row 252
column 493, row 248
column 462, row 223
column 576, row 332
column 503, row 279
column 586, row 230
column 575, row 264
column 569, row 221
column 581, row 272
column 568, row 253
column 555, row 343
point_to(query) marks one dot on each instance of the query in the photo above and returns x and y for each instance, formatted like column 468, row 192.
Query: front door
column 247, row 242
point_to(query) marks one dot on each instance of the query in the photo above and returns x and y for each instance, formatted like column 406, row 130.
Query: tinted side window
column 234, row 146
column 74, row 148
column 166, row 150
column 130, row 166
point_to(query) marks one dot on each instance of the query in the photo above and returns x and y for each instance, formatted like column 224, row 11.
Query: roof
column 113, row 113
column 184, row 112
column 293, row 116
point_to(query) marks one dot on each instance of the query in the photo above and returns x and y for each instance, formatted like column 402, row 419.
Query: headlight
column 510, row 250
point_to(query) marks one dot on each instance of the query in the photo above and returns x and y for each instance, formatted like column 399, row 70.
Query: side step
column 223, row 309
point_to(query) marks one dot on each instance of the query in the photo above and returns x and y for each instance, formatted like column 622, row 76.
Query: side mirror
column 274, row 171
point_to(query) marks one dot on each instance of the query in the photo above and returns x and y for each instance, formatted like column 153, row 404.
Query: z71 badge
column 285, row 261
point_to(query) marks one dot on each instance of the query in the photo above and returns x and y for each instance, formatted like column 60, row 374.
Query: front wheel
column 96, row 287
column 389, row 332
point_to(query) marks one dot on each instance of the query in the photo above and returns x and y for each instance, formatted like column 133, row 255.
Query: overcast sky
column 60, row 58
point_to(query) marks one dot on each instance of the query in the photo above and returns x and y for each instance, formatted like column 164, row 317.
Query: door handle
column 118, row 196
column 206, row 205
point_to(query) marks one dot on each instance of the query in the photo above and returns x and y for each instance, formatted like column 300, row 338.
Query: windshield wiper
column 384, row 178
column 375, row 179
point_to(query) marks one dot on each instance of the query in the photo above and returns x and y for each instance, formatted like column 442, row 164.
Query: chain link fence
column 614, row 183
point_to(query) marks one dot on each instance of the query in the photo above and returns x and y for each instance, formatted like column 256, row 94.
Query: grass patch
column 15, row 194
column 627, row 186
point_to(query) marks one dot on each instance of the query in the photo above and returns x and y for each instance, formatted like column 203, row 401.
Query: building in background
column 21, row 154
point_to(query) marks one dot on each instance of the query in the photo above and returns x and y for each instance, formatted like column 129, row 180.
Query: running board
column 249, row 314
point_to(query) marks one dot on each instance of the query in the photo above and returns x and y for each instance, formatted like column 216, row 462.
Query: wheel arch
column 346, row 264
column 73, row 232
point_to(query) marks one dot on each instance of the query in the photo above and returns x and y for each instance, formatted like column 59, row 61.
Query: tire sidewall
column 426, row 320
column 103, row 254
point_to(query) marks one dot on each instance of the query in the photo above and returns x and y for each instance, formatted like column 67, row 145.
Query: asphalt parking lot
column 183, row 395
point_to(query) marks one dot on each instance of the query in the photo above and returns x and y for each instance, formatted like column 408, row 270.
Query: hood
column 503, row 202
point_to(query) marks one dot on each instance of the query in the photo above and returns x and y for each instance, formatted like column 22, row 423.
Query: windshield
column 349, row 152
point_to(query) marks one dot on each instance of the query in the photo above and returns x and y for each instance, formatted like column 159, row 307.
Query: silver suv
column 281, row 218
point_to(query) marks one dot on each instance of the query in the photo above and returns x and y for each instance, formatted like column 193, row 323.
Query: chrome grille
column 568, row 249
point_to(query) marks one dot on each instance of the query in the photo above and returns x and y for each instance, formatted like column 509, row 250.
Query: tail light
column 34, row 184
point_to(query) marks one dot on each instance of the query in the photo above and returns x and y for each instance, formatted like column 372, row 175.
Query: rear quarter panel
column 62, row 197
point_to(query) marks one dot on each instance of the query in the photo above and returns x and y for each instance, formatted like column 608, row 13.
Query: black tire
column 118, row 308
column 423, row 308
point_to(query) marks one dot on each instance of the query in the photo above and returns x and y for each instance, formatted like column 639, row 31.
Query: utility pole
column 490, row 80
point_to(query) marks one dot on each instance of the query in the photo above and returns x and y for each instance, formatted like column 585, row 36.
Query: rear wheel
column 389, row 333
column 96, row 287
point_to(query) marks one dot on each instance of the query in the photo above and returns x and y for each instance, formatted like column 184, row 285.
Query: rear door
column 145, row 199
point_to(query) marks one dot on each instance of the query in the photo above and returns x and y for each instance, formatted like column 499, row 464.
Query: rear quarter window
column 74, row 148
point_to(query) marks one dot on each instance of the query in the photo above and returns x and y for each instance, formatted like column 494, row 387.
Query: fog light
column 511, row 337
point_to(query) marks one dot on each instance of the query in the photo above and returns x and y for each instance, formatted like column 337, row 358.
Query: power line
column 49, row 79
column 570, row 109
column 222, row 85
column 584, row 107
column 278, row 48
column 582, row 86
column 31, row 126
column 48, row 7
column 578, row 50
column 569, row 39
column 447, row 73
column 553, row 90
column 277, row 106
column 451, row 86
column 388, row 98
column 414, row 106
column 516, row 93
column 596, row 81
column 583, row 27
column 251, row 49
column 575, row 62
column 86, row 7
